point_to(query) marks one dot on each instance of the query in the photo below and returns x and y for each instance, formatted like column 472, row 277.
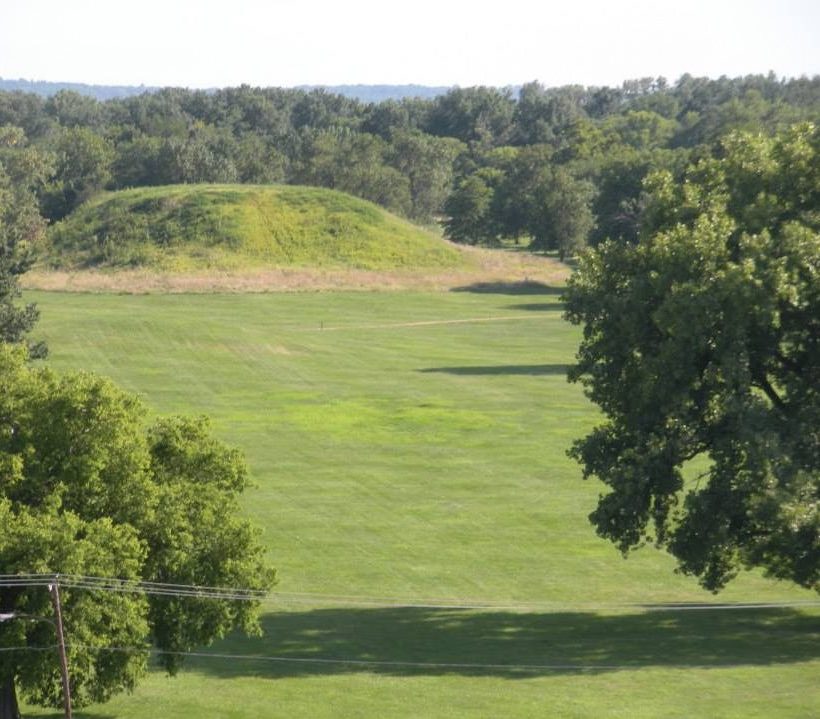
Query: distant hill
column 365, row 93
column 227, row 227
column 99, row 92
column 379, row 93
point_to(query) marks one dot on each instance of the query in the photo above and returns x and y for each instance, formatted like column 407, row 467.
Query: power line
column 312, row 599
column 113, row 584
column 128, row 585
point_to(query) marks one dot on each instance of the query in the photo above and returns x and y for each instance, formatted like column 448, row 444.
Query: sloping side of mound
column 229, row 227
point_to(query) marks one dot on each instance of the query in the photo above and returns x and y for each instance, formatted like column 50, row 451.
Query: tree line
column 551, row 168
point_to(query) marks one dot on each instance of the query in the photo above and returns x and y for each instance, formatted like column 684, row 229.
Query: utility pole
column 54, row 589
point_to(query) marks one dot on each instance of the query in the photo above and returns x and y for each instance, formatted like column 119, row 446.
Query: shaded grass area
column 407, row 662
column 516, row 645
column 522, row 287
column 417, row 451
column 539, row 307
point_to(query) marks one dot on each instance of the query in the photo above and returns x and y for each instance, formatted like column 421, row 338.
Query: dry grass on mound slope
column 489, row 267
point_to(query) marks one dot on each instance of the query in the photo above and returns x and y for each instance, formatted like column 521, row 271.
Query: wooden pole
column 58, row 624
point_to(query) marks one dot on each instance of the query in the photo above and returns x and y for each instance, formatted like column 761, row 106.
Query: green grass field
column 409, row 449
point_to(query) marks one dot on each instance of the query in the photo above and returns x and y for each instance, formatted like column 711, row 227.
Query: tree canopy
column 22, row 171
column 701, row 344
column 88, row 488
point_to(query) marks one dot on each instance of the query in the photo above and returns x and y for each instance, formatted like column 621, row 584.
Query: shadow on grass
column 413, row 640
column 525, row 287
column 504, row 369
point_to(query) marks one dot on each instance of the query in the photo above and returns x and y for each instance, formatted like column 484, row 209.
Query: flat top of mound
column 184, row 228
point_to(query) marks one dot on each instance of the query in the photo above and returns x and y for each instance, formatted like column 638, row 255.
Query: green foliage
column 468, row 211
column 562, row 219
column 518, row 201
column 427, row 162
column 353, row 163
column 702, row 343
column 618, row 175
column 478, row 116
column 23, row 170
column 642, row 130
column 545, row 201
column 73, row 109
column 86, row 489
column 82, row 168
column 204, row 226
column 543, row 115
column 205, row 154
column 522, row 192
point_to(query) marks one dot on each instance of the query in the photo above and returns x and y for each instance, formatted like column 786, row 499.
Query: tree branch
column 762, row 382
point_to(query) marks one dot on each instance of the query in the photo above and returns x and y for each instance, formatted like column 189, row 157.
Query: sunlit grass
column 412, row 446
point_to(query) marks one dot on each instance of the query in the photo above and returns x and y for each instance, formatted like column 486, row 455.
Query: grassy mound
column 191, row 227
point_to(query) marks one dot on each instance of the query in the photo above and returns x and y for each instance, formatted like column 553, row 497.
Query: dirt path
column 427, row 323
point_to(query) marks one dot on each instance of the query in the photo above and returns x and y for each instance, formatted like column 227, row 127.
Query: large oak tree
column 701, row 344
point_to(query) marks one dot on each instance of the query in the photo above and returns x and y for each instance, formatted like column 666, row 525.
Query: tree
column 258, row 162
column 478, row 116
column 71, row 109
column 22, row 171
column 542, row 115
column 87, row 489
column 618, row 175
column 702, row 347
column 83, row 167
column 549, row 204
column 352, row 162
column 641, row 130
column 519, row 197
column 427, row 163
column 205, row 155
column 564, row 219
column 468, row 211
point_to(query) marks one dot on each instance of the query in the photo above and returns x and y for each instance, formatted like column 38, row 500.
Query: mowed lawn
column 408, row 451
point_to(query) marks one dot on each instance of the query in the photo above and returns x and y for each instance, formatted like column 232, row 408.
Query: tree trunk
column 8, row 699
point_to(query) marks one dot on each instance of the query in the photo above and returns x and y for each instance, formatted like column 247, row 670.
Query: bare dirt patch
column 486, row 267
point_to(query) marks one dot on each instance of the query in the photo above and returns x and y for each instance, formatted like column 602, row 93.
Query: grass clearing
column 409, row 448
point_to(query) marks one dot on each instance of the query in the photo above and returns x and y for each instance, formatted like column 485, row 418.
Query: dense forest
column 550, row 168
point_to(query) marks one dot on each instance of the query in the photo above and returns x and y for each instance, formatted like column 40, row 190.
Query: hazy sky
column 216, row 43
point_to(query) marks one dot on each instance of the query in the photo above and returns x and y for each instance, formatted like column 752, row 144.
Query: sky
column 220, row 43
